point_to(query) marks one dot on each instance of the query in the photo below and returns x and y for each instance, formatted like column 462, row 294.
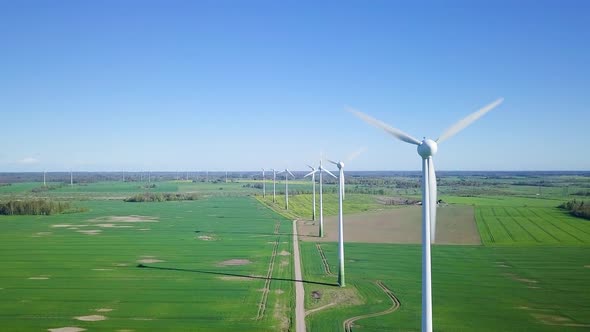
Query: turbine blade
column 457, row 127
column 333, row 162
column 355, row 154
column 389, row 129
column 310, row 173
column 433, row 199
column 288, row 171
column 313, row 169
column 325, row 170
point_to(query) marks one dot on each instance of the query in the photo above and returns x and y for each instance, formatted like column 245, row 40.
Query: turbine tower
column 312, row 173
column 71, row 179
column 341, row 281
column 44, row 175
column 274, row 187
column 426, row 149
column 321, row 169
column 287, row 173
column 263, row 185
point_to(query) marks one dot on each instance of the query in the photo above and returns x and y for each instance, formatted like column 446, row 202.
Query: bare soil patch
column 90, row 231
column 102, row 269
column 205, row 238
column 44, row 277
column 149, row 260
column 455, row 225
column 125, row 219
column 279, row 291
column 284, row 253
column 103, row 310
column 234, row 262
column 235, row 278
column 91, row 318
column 67, row 329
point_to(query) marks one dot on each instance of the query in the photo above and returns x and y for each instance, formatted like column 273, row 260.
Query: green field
column 475, row 288
column 178, row 265
column 52, row 274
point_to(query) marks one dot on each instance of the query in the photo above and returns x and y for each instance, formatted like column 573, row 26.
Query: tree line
column 577, row 208
column 162, row 197
column 33, row 207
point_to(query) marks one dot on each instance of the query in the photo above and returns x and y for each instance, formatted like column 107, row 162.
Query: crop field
column 508, row 260
column 475, row 288
column 213, row 264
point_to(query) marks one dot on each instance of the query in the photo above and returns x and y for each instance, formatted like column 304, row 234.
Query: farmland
column 157, row 266
column 506, row 257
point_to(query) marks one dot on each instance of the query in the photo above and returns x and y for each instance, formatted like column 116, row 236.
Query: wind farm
column 141, row 144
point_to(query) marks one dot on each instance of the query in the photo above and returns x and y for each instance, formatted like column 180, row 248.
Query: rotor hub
column 340, row 165
column 427, row 148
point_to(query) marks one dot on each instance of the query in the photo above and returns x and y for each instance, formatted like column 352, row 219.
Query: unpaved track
column 299, row 291
column 394, row 306
column 271, row 264
column 324, row 260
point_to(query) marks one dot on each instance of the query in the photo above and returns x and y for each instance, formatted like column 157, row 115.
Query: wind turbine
column 340, row 166
column 71, row 179
column 312, row 173
column 263, row 185
column 321, row 169
column 287, row 173
column 426, row 149
column 274, row 187
column 44, row 183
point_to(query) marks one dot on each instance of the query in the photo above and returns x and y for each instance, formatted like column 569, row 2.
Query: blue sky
column 240, row 85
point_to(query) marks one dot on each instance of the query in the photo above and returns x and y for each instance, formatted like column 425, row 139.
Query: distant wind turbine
column 426, row 149
column 287, row 173
column 321, row 169
column 263, row 185
column 274, row 187
column 71, row 179
column 312, row 173
column 44, row 183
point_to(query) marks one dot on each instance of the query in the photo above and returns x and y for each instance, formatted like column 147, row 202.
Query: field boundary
column 396, row 304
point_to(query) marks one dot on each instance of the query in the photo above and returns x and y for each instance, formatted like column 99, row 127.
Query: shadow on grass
column 233, row 275
column 252, row 233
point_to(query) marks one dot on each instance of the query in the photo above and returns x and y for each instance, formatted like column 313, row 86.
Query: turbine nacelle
column 427, row 148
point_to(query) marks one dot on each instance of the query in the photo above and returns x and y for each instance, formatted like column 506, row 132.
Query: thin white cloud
column 28, row 161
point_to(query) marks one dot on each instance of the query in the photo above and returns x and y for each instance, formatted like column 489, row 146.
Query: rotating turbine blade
column 433, row 199
column 355, row 154
column 325, row 170
column 457, row 127
column 343, row 191
column 313, row 169
column 380, row 124
column 333, row 162
column 288, row 171
column 310, row 173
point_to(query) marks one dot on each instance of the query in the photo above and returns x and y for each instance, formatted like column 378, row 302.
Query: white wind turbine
column 287, row 173
column 263, row 185
column 426, row 149
column 320, row 170
column 312, row 173
column 340, row 165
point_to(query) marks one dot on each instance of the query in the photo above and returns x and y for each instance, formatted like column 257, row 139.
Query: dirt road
column 299, row 292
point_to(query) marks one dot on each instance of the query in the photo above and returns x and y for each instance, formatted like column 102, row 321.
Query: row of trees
column 33, row 207
column 577, row 208
column 162, row 197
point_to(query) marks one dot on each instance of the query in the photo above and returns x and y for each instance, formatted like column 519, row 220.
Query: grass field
column 474, row 288
column 222, row 262
column 56, row 268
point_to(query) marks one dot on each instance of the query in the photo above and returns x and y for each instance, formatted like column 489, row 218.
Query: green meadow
column 223, row 262
column 198, row 265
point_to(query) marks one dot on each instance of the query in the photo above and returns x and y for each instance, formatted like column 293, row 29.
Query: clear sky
column 240, row 85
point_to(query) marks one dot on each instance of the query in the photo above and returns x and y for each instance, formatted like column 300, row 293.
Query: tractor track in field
column 348, row 324
column 324, row 260
column 271, row 264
